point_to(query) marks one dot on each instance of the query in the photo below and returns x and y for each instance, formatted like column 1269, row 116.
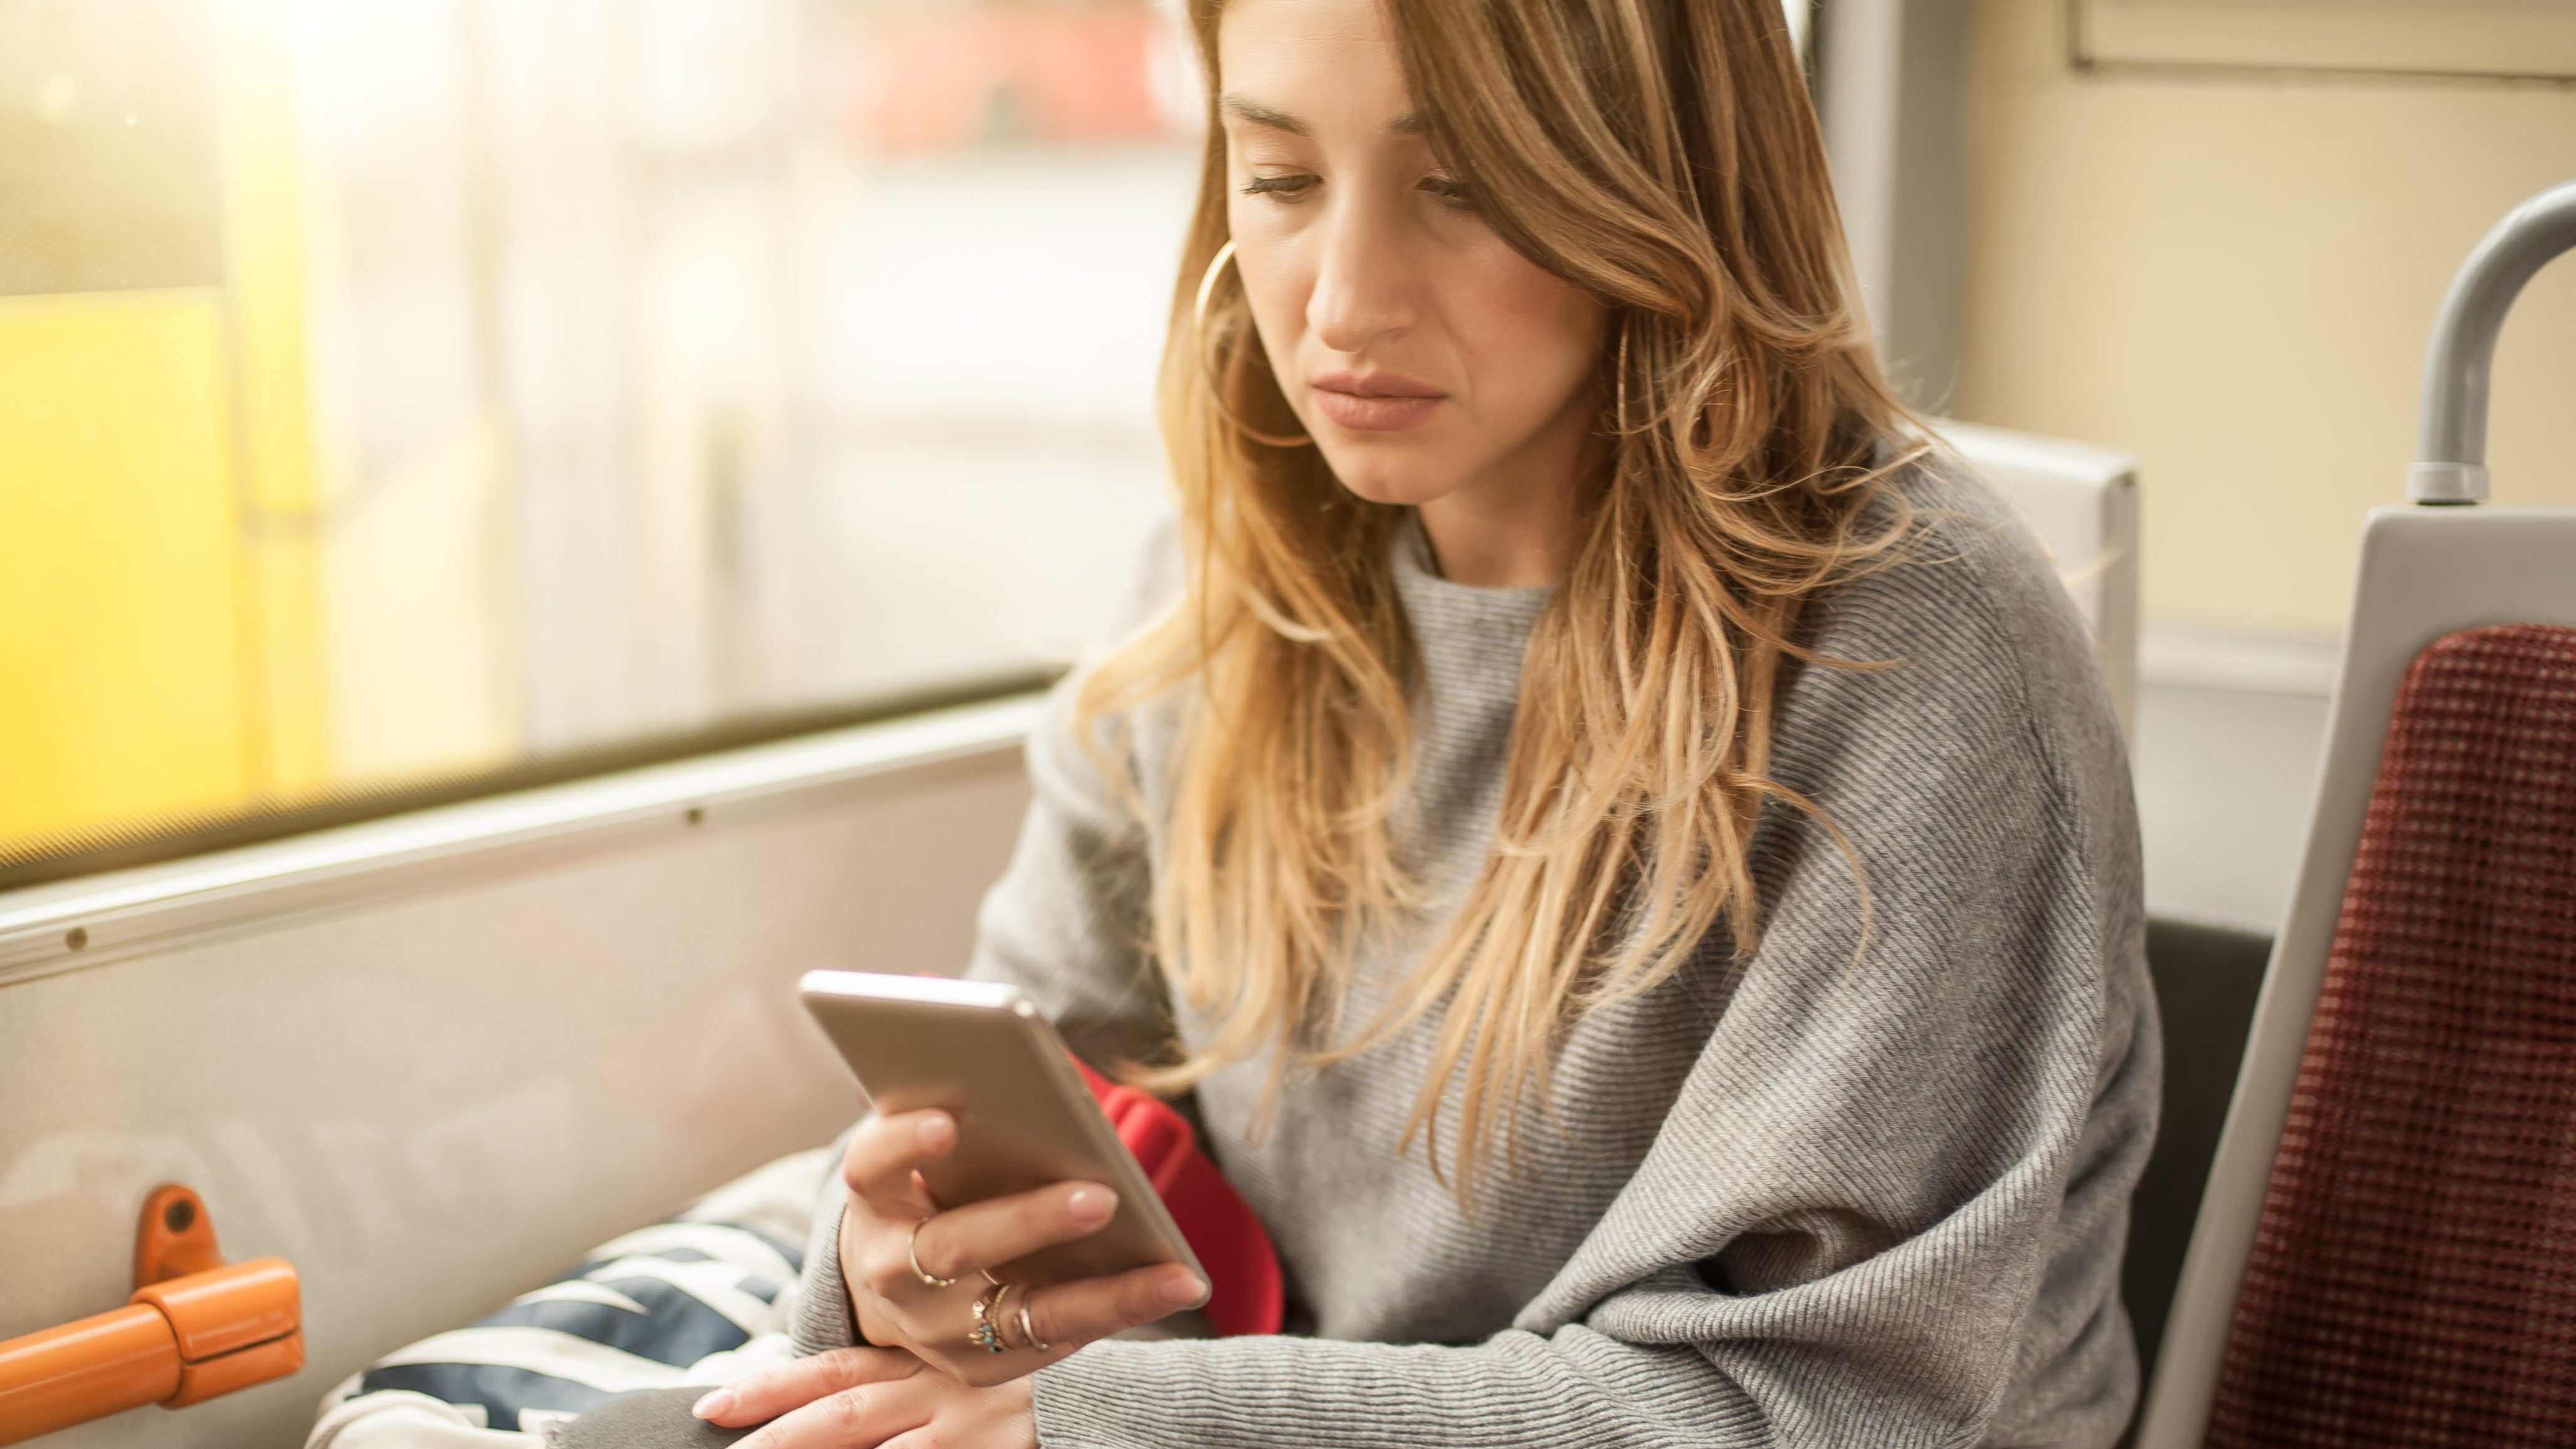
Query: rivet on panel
column 76, row 937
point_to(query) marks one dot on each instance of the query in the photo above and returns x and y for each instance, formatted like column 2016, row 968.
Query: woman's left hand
column 864, row 1398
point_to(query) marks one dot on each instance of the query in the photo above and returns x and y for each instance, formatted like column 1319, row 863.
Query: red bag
column 1245, row 1291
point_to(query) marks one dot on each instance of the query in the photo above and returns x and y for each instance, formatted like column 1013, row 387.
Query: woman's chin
column 1368, row 473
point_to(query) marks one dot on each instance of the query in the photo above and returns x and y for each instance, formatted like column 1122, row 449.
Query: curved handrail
column 2451, row 451
column 195, row 1328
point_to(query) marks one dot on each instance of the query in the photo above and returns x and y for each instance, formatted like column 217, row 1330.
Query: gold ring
column 1001, row 1319
column 1029, row 1330
column 912, row 1250
column 988, row 1334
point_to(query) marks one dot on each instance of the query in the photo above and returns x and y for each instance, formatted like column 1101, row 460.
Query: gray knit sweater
column 1798, row 1203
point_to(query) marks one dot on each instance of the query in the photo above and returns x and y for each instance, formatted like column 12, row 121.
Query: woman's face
column 1433, row 364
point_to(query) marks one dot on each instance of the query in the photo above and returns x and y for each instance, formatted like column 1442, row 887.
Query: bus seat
column 2405, row 1269
column 2081, row 503
column 2435, row 586
column 2376, row 1257
column 2206, row 977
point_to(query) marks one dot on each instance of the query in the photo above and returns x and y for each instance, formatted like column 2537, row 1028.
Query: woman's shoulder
column 1966, row 585
column 1961, row 641
column 1963, row 544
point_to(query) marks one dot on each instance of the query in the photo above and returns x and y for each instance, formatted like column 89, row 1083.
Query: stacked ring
column 1029, row 1330
column 912, row 1250
column 988, row 1329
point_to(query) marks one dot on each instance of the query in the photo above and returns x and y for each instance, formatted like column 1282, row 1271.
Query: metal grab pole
column 2451, row 452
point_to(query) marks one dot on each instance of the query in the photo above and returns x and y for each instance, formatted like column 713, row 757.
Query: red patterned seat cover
column 2413, row 1281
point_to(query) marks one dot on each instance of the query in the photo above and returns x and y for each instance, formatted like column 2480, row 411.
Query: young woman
column 1633, row 859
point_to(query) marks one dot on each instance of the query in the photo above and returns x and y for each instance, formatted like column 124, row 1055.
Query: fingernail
column 1092, row 1204
column 936, row 1130
column 714, row 1405
column 1184, row 1289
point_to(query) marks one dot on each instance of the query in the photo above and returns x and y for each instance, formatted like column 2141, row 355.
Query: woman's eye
column 1450, row 191
column 1284, row 188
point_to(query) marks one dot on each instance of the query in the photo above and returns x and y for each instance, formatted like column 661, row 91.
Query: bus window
column 417, row 396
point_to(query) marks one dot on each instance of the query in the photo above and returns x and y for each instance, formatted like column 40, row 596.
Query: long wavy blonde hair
column 1663, row 155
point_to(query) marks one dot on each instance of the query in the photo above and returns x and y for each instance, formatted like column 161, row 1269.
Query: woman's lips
column 1375, row 402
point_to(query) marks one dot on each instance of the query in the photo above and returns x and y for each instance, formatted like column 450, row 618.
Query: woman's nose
column 1367, row 285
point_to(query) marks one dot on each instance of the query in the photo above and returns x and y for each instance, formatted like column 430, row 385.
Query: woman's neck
column 1495, row 552
column 1517, row 535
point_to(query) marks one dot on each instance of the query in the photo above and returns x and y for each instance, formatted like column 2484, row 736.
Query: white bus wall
column 436, row 1095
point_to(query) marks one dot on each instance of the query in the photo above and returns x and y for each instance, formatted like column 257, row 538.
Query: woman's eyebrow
column 1408, row 124
column 1261, row 115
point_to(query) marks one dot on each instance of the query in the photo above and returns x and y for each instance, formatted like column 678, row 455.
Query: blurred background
column 417, row 396
column 409, row 390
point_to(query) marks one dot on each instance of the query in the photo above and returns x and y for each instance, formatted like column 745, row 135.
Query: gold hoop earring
column 1198, row 345
column 1619, row 375
column 1207, row 283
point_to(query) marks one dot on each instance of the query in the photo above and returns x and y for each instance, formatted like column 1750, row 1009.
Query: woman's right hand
column 892, row 1224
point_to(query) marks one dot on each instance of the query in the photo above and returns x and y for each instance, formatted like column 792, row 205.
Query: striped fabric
column 694, row 1300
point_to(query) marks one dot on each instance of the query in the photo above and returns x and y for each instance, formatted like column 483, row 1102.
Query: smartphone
column 984, row 1053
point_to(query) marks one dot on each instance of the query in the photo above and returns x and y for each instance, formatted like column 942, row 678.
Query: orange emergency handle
column 196, row 1327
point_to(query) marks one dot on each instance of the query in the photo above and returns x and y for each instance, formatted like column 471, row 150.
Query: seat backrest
column 2425, row 573
column 2081, row 503
column 2407, row 1282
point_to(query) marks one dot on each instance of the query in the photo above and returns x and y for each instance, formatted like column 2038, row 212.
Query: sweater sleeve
column 1887, row 1206
column 1068, row 921
column 823, row 1318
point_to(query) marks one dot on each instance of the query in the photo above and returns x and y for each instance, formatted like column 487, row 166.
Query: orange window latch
column 196, row 1327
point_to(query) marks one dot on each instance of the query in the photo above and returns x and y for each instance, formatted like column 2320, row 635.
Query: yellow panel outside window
column 122, row 649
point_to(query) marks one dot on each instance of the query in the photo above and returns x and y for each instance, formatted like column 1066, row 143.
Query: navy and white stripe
column 685, row 1301
column 635, row 1316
